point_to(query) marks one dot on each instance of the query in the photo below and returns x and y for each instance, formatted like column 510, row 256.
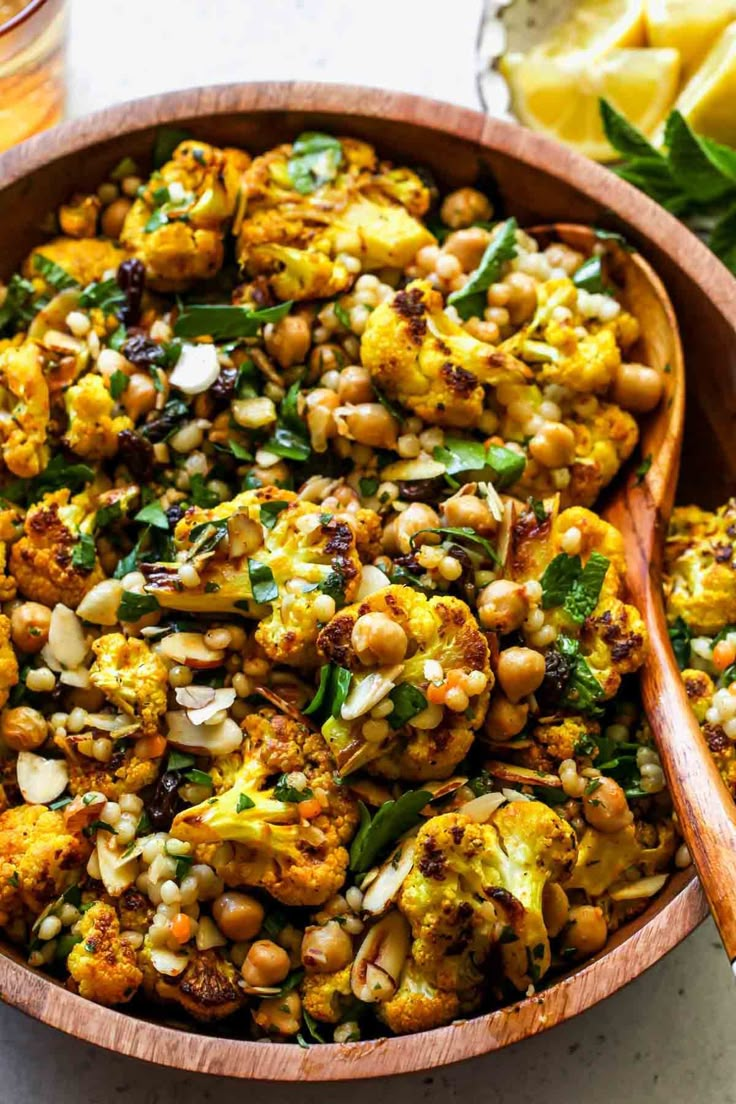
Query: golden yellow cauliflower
column 83, row 259
column 102, row 966
column 296, row 230
column 8, row 661
column 176, row 227
column 418, row 1005
column 93, row 429
column 326, row 996
column 417, row 355
column 124, row 773
column 700, row 569
column 132, row 677
column 208, row 989
column 24, row 410
column 39, row 859
column 41, row 561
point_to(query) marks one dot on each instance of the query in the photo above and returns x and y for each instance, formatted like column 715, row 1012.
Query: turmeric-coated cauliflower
column 424, row 736
column 103, row 966
column 208, row 989
column 475, row 885
column 177, row 224
column 123, row 773
column 306, row 213
column 93, row 428
column 289, row 842
column 325, row 996
column 24, row 410
column 39, row 859
column 132, row 677
column 417, row 355
column 418, row 1004
column 602, row 859
column 82, row 259
column 700, row 568
column 263, row 549
column 8, row 661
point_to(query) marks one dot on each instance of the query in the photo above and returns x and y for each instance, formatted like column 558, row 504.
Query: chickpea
column 522, row 301
column 605, row 806
column 139, row 397
column 503, row 606
column 637, row 387
column 266, row 964
column 504, row 719
column 520, row 672
column 29, row 626
column 468, row 246
column 355, row 385
column 413, row 520
column 555, row 908
column 327, row 948
column 320, row 420
column 78, row 218
column 483, row 330
column 586, row 932
column 466, row 510
column 238, row 915
column 269, row 477
column 553, row 446
column 465, row 206
column 325, row 358
column 561, row 256
column 280, row 1015
column 289, row 340
column 378, row 640
column 23, row 728
column 369, row 423
column 113, row 217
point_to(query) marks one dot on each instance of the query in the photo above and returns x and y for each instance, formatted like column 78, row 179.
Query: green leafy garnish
column 640, row 472
column 583, row 691
column 368, row 486
column 334, row 683
column 199, row 778
column 464, row 534
column 284, row 791
column 53, row 273
column 270, row 512
column 155, row 515
column 17, row 307
column 408, row 702
column 57, row 474
column 84, row 553
column 470, row 299
column 179, row 760
column 244, row 802
column 262, row 583
column 502, row 466
column 132, row 606
column 315, row 160
column 164, row 144
column 376, row 834
column 342, row 315
column 104, row 294
column 680, row 637
column 223, row 323
column 200, row 493
column 118, row 383
column 589, row 277
column 567, row 583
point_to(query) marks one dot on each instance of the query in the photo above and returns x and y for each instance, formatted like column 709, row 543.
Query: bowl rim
column 648, row 938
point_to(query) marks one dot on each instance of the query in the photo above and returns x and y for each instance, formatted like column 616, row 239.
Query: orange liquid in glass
column 31, row 70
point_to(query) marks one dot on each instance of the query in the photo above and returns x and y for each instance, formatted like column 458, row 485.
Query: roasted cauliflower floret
column 297, row 235
column 93, row 429
column 39, row 859
column 24, row 410
column 700, row 689
column 208, row 989
column 246, row 567
column 8, row 661
column 83, row 259
column 418, row 1004
column 602, row 859
column 132, row 677
column 325, row 996
column 417, row 355
column 102, row 966
column 291, row 843
column 386, row 642
column 123, row 773
column 177, row 226
column 700, row 568
column 41, row 561
column 472, row 882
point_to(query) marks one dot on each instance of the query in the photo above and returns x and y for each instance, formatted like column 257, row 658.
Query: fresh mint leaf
column 723, row 239
column 290, row 445
column 339, row 688
column 17, row 307
column 583, row 691
column 558, row 579
column 133, row 606
column 158, row 219
column 589, row 277
column 461, row 533
column 408, row 702
column 262, row 583
column 270, row 512
column 376, row 834
column 179, row 760
column 582, row 597
column 640, row 473
column 315, row 160
column 284, row 791
column 103, row 294
column 118, row 383
column 199, row 778
column 680, row 637
column 244, row 802
column 155, row 515
column 342, row 315
column 692, row 165
column 368, row 486
column 325, row 677
column 223, row 323
column 200, row 493
column 53, row 273
column 106, row 515
column 500, row 465
column 165, row 142
column 84, row 553
column 500, row 249
column 58, row 473
column 238, row 451
column 624, row 137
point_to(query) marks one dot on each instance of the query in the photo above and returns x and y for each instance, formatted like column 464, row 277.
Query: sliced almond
column 66, row 637
column 194, row 697
column 78, row 678
column 40, row 780
column 634, row 891
column 117, row 723
column 100, row 604
column 372, row 579
column 380, row 959
column 481, row 808
column 385, row 886
column 170, row 963
column 522, row 776
column 83, row 810
column 196, row 369
column 223, row 699
column 244, row 536
column 190, row 649
column 209, row 935
column 217, row 739
column 118, row 869
column 369, row 691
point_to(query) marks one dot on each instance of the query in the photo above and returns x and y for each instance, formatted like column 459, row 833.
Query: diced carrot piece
column 309, row 808
column 181, row 927
column 724, row 655
column 150, row 747
column 436, row 694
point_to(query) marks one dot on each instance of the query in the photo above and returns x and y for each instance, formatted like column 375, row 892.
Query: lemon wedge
column 559, row 96
column 708, row 100
column 690, row 26
column 597, row 26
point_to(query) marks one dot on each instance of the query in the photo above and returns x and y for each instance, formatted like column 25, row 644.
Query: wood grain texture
column 538, row 181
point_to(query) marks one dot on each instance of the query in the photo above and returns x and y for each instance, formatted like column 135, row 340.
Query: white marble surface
column 668, row 1038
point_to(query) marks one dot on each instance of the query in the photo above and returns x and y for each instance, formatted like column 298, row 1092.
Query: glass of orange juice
column 32, row 38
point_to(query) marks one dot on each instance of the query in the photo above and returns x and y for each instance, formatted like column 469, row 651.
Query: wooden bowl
column 539, row 182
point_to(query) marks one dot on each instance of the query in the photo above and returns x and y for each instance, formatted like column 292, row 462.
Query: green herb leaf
column 342, row 315
column 680, row 637
column 238, row 451
column 200, row 493
column 155, row 515
column 275, row 922
column 640, row 472
column 244, row 802
column 157, row 219
column 334, row 586
column 262, row 583
column 107, row 514
column 464, row 534
column 133, row 606
column 17, row 308
column 325, row 678
column 223, row 323
column 118, row 383
column 165, row 142
column 270, row 512
column 179, row 760
column 408, row 702
column 558, row 579
column 537, row 507
column 589, row 277
column 103, row 294
column 84, row 553
column 311, row 1026
column 582, row 598
column 697, row 164
column 499, row 465
column 368, row 486
column 375, row 835
column 199, row 778
column 500, row 249
column 340, row 687
column 53, row 273
column 625, row 138
column 723, row 239
column 315, row 160
column 583, row 690
column 57, row 474
column 284, row 791
column 290, row 445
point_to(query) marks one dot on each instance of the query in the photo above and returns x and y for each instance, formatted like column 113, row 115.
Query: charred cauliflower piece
column 469, row 881
column 246, row 567
column 8, row 661
column 699, row 566
column 297, row 235
column 41, row 560
column 83, row 259
column 418, row 1004
column 132, row 677
column 39, row 859
column 24, row 410
column 177, row 226
column 93, row 429
column 602, row 859
column 290, row 843
column 417, row 355
column 326, row 996
column 208, row 988
column 429, row 737
column 123, row 773
column 102, row 966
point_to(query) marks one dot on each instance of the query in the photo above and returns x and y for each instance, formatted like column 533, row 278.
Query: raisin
column 131, row 278
column 143, row 352
column 557, row 672
column 422, row 490
column 165, row 803
column 174, row 514
column 223, row 389
column 136, row 453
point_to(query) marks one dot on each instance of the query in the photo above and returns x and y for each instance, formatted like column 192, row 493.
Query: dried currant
column 557, row 672
column 165, row 803
column 143, row 352
column 223, row 389
column 422, row 490
column 131, row 278
column 135, row 452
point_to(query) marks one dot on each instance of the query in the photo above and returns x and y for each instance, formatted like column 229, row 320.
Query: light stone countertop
column 667, row 1038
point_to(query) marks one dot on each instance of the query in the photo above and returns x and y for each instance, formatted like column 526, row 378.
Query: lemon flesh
column 597, row 26
column 690, row 26
column 708, row 100
column 560, row 96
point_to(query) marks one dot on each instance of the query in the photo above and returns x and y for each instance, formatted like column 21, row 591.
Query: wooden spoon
column 640, row 506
